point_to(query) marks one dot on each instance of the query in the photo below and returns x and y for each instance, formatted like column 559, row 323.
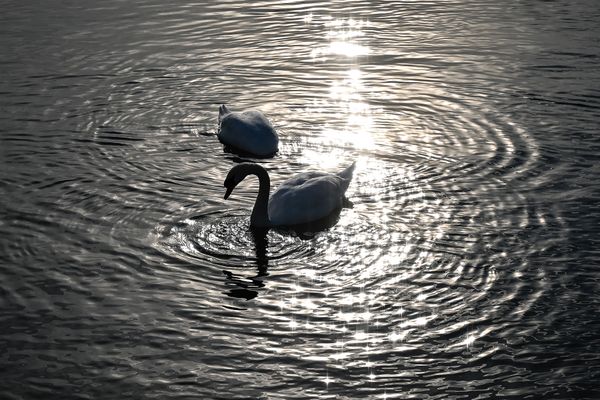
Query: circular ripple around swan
column 430, row 272
column 225, row 240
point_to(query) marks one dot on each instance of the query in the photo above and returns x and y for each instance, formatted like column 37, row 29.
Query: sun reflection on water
column 382, row 300
column 341, row 34
column 347, row 117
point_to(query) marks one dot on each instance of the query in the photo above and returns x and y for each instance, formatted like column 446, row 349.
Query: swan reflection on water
column 247, row 288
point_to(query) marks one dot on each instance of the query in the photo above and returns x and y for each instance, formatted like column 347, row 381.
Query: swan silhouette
column 247, row 132
column 305, row 198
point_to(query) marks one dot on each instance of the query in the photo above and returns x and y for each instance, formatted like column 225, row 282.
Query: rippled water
column 467, row 266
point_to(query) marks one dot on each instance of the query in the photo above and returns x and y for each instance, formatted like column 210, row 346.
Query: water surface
column 467, row 266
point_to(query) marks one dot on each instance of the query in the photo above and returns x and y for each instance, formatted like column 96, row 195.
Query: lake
column 465, row 267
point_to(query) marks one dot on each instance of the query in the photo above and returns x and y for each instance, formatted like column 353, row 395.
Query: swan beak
column 228, row 192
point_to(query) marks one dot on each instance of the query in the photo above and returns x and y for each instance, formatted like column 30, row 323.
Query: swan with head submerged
column 247, row 131
column 305, row 198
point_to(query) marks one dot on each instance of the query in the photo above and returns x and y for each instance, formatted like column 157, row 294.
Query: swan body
column 247, row 131
column 303, row 199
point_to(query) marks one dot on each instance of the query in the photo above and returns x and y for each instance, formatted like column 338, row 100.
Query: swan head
column 235, row 176
column 231, row 181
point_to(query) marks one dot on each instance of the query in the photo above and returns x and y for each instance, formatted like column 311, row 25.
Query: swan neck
column 260, row 212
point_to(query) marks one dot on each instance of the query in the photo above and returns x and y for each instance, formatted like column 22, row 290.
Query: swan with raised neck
column 260, row 214
column 304, row 198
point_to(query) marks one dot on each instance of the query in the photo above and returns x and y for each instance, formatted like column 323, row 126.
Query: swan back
column 248, row 131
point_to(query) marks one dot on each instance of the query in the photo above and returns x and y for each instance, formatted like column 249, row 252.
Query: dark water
column 468, row 266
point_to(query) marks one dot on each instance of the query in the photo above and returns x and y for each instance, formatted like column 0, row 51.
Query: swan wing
column 306, row 198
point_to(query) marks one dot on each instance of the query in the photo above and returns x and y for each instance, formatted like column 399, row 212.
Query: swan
column 305, row 198
column 247, row 131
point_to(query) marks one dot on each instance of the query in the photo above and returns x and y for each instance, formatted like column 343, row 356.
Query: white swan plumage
column 247, row 131
column 305, row 198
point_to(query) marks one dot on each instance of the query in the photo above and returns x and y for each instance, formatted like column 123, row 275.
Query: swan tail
column 346, row 176
column 223, row 111
column 347, row 173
